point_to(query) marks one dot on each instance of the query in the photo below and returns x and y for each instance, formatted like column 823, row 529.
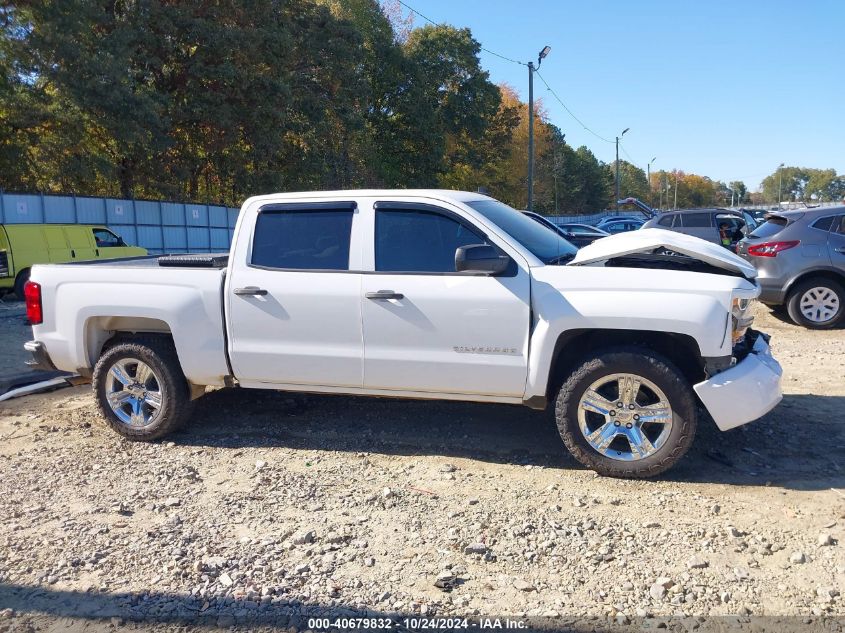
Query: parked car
column 800, row 260
column 720, row 226
column 23, row 245
column 576, row 234
column 581, row 234
column 422, row 294
column 619, row 224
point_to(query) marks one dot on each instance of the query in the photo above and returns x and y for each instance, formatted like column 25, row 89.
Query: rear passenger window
column 839, row 226
column 666, row 220
column 696, row 220
column 419, row 241
column 303, row 239
column 824, row 224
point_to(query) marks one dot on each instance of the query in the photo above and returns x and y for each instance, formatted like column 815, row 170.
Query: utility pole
column 531, row 69
column 675, row 206
column 780, row 182
column 648, row 178
column 617, row 165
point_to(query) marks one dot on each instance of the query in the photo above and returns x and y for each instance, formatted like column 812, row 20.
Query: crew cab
column 423, row 294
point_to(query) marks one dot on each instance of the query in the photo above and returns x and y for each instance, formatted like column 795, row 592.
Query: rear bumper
column 746, row 391
column 772, row 292
column 39, row 358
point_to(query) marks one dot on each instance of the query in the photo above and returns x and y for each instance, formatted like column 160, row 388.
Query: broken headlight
column 741, row 318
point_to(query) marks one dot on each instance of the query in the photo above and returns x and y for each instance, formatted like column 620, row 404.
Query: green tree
column 632, row 180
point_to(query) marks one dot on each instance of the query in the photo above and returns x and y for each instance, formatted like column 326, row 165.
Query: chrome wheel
column 133, row 392
column 819, row 304
column 625, row 417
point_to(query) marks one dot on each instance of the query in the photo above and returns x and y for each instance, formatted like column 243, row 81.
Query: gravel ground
column 269, row 509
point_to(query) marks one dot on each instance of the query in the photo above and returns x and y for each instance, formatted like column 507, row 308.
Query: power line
column 572, row 114
column 486, row 50
column 633, row 162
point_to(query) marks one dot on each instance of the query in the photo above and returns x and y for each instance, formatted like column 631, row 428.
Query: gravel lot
column 269, row 509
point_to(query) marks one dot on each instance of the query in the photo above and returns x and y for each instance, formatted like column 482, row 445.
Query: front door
column 294, row 306
column 836, row 243
column 430, row 329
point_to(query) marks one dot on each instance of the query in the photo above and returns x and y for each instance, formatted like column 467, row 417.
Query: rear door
column 293, row 304
column 81, row 243
column 430, row 329
column 836, row 243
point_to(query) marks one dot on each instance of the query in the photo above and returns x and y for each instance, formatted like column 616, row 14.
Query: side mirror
column 480, row 258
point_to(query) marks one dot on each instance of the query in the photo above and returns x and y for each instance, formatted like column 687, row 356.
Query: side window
column 104, row 238
column 666, row 220
column 303, row 239
column 696, row 220
column 824, row 224
column 419, row 241
column 839, row 225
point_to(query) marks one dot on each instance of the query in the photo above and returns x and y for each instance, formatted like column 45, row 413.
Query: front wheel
column 141, row 390
column 626, row 412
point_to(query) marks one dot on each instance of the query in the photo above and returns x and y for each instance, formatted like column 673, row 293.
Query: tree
column 632, row 180
column 739, row 191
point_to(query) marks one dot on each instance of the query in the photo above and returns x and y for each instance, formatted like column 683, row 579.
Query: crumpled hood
column 645, row 241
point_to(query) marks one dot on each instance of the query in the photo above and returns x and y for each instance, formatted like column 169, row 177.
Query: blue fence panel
column 119, row 211
column 198, row 239
column 157, row 226
column 91, row 211
column 147, row 212
column 217, row 216
column 220, row 239
column 59, row 210
column 22, row 209
column 127, row 232
column 172, row 214
column 175, row 239
column 196, row 215
column 150, row 237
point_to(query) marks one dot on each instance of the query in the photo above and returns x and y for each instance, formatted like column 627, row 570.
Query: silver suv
column 800, row 260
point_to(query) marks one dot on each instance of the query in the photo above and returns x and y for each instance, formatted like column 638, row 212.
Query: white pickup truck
column 423, row 294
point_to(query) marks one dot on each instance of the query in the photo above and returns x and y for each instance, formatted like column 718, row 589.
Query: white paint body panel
column 745, row 392
column 316, row 331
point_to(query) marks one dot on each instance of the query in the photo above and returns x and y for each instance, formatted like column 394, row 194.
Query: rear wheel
column 817, row 303
column 20, row 282
column 626, row 413
column 141, row 390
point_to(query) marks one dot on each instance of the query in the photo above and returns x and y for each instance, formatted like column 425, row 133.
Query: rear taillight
column 771, row 249
column 32, row 295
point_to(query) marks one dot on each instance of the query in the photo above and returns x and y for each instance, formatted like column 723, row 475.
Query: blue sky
column 723, row 89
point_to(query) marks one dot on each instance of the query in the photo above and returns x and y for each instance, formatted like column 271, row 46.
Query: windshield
column 546, row 244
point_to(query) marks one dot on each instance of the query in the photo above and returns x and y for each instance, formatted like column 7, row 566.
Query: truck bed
column 85, row 303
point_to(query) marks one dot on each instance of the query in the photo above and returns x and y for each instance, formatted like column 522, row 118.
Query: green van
column 22, row 245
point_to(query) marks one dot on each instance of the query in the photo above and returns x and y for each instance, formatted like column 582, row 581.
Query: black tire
column 646, row 364
column 160, row 355
column 793, row 303
column 20, row 282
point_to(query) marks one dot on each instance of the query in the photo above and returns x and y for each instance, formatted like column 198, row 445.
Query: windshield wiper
column 561, row 259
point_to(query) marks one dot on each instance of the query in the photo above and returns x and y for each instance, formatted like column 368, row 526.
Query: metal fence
column 158, row 226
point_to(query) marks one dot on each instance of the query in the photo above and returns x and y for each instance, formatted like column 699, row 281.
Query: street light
column 531, row 69
column 617, row 165
column 648, row 177
column 780, row 182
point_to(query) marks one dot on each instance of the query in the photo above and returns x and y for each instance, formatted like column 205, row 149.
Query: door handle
column 250, row 291
column 384, row 294
column 72, row 253
column 840, row 250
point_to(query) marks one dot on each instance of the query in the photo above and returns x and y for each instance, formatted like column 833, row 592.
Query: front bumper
column 746, row 391
column 39, row 358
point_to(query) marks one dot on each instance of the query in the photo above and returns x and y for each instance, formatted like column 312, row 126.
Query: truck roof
column 439, row 194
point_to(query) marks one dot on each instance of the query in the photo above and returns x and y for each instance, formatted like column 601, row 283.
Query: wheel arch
column 823, row 273
column 573, row 346
column 102, row 332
